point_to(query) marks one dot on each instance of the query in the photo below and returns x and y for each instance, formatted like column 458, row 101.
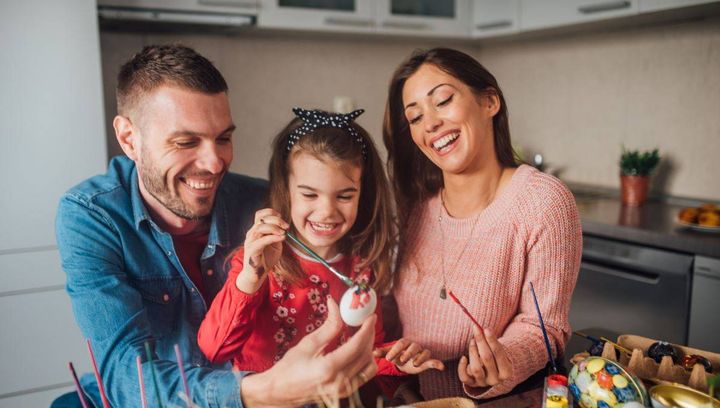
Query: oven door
column 626, row 288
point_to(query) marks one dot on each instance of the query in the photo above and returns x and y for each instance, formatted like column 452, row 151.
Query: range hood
column 218, row 13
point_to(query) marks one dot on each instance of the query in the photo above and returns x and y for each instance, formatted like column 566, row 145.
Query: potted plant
column 635, row 168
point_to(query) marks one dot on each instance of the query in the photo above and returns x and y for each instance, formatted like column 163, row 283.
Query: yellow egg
column 619, row 381
column 595, row 365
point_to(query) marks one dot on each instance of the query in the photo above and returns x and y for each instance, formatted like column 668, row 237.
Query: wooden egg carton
column 646, row 368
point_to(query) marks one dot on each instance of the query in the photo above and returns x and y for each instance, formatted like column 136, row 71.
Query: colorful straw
column 179, row 358
column 320, row 259
column 544, row 331
column 78, row 388
column 456, row 300
column 105, row 402
column 152, row 373
column 143, row 400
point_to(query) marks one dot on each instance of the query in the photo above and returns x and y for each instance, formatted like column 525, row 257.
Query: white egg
column 356, row 307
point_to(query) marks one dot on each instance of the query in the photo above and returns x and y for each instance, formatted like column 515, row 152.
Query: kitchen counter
column 652, row 224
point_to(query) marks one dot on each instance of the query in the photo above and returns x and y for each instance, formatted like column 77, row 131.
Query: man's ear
column 127, row 137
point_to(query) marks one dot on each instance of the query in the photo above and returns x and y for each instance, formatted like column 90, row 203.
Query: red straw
column 78, row 388
column 456, row 300
column 179, row 358
column 105, row 402
column 142, row 382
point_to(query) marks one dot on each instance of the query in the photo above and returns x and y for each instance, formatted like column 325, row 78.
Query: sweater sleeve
column 554, row 248
column 229, row 322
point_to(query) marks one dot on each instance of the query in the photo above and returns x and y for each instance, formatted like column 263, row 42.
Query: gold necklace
column 443, row 288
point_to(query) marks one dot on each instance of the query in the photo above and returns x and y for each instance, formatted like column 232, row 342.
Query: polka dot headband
column 316, row 119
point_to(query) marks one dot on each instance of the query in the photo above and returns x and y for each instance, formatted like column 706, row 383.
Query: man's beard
column 154, row 183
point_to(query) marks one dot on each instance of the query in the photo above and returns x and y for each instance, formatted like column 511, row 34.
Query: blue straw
column 544, row 332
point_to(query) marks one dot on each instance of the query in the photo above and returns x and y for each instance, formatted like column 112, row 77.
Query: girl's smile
column 324, row 196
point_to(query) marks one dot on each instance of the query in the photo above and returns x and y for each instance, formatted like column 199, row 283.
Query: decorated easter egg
column 597, row 382
column 357, row 304
column 660, row 349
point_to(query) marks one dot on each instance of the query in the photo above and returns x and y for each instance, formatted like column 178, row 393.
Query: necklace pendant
column 443, row 293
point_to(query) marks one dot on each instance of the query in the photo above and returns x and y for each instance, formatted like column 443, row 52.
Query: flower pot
column 634, row 190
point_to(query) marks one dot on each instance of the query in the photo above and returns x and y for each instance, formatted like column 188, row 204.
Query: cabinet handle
column 339, row 21
column 600, row 7
column 404, row 25
column 494, row 25
column 627, row 274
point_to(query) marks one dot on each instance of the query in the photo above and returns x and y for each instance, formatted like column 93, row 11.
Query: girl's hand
column 409, row 357
column 488, row 361
column 262, row 249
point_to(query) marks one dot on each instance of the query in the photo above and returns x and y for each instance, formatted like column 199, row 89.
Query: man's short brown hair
column 158, row 65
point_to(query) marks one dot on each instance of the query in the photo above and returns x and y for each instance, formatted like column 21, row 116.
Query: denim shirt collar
column 219, row 232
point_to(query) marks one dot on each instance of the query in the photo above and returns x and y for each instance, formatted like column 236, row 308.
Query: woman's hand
column 488, row 363
column 409, row 357
column 262, row 249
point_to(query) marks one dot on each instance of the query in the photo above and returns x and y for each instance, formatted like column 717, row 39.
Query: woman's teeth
column 444, row 141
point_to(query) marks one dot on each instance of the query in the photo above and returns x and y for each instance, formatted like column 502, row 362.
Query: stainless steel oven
column 630, row 288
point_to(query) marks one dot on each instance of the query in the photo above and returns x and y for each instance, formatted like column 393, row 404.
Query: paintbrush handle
column 464, row 309
column 320, row 259
column 544, row 331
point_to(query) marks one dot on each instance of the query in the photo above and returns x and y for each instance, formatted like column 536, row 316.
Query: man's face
column 185, row 148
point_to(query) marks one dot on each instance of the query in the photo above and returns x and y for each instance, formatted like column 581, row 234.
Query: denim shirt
column 127, row 286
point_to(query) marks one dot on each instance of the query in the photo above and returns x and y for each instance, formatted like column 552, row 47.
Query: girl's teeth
column 321, row 226
column 444, row 141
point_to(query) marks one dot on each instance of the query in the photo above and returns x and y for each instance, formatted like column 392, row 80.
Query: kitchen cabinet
column 450, row 18
column 52, row 120
column 543, row 14
column 705, row 306
column 657, row 5
column 329, row 15
column 495, row 17
column 249, row 7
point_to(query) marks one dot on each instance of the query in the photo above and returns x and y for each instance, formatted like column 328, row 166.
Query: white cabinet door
column 657, row 5
column 447, row 18
column 321, row 15
column 495, row 17
column 535, row 14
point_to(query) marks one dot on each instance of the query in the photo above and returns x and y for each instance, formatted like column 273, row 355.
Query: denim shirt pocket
column 162, row 299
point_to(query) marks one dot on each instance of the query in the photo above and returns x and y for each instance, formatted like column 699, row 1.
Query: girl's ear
column 127, row 137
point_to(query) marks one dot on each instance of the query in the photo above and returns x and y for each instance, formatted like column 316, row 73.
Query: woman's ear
column 126, row 135
column 492, row 101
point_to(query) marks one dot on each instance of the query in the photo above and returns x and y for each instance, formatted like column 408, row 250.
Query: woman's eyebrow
column 430, row 92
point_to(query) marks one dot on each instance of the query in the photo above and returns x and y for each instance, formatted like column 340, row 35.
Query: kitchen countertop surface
column 652, row 224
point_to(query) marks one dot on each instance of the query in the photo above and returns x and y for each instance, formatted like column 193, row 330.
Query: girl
column 327, row 180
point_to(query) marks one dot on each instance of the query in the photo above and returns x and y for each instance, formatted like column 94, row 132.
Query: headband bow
column 316, row 119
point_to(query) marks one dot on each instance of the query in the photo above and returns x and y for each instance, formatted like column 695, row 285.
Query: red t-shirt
column 189, row 249
column 255, row 331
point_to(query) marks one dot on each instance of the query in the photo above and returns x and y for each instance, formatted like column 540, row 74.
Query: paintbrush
column 78, row 388
column 105, row 402
column 179, row 358
column 464, row 309
column 320, row 259
column 603, row 340
column 544, row 331
column 152, row 373
column 143, row 400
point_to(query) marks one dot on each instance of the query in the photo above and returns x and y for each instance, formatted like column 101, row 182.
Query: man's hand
column 306, row 371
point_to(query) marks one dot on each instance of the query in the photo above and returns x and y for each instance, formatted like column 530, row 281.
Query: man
column 144, row 246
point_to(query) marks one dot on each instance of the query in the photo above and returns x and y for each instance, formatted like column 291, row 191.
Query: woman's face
column 450, row 124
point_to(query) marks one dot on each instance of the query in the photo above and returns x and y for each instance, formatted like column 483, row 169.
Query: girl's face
column 324, row 197
column 450, row 124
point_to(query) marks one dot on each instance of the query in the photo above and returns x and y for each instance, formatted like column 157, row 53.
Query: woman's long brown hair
column 372, row 237
column 413, row 176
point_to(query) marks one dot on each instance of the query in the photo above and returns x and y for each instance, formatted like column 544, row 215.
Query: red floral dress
column 255, row 331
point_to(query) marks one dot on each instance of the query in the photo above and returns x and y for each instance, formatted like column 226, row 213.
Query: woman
column 477, row 224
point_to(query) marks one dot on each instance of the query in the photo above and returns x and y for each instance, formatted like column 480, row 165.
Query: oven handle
column 628, row 274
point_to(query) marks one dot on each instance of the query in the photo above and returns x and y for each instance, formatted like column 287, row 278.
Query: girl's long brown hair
column 413, row 176
column 372, row 237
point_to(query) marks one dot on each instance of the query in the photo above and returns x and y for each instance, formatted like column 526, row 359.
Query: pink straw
column 78, row 388
column 142, row 383
column 179, row 358
column 105, row 402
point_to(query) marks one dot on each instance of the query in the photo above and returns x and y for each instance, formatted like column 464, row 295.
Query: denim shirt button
column 166, row 298
column 192, row 290
column 169, row 253
column 210, row 272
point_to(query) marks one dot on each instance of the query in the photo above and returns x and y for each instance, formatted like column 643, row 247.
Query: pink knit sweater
column 529, row 233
